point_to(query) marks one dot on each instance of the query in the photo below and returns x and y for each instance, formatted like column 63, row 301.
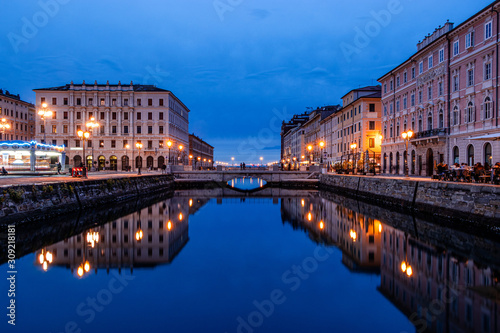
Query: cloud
column 260, row 14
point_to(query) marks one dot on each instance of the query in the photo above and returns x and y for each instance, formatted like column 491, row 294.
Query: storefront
column 30, row 156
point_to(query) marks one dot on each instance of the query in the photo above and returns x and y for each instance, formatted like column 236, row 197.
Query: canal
column 299, row 261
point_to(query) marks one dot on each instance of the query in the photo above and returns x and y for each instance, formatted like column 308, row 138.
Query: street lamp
column 180, row 152
column 310, row 148
column 4, row 126
column 139, row 146
column 44, row 113
column 84, row 136
column 91, row 125
column 407, row 137
column 169, row 144
column 321, row 145
column 353, row 147
column 232, row 159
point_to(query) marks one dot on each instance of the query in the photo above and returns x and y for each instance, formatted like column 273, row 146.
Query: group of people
column 243, row 166
column 464, row 172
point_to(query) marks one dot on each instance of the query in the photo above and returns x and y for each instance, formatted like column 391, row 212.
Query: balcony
column 437, row 132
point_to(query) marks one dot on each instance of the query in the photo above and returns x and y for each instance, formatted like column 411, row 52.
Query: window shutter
column 482, row 116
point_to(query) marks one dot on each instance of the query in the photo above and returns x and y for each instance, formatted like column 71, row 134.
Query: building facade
column 446, row 93
column 201, row 154
column 125, row 115
column 19, row 115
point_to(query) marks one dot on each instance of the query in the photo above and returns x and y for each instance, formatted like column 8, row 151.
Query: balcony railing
column 431, row 133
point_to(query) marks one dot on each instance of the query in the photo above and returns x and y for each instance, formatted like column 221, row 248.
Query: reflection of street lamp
column 44, row 113
column 84, row 136
column 4, row 126
column 353, row 147
column 92, row 124
column 407, row 137
column 139, row 146
column 45, row 258
column 169, row 144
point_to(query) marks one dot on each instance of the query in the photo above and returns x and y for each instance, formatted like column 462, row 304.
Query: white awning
column 493, row 137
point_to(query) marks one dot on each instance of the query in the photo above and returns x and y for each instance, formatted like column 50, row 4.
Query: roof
column 200, row 139
column 12, row 96
column 367, row 88
column 444, row 35
column 136, row 87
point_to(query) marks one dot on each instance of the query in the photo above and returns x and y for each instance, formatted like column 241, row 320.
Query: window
column 397, row 81
column 456, row 83
column 390, row 109
column 441, row 119
column 469, row 40
column 160, row 129
column 487, row 108
column 413, row 73
column 421, row 67
column 139, row 102
column 150, row 144
column 161, row 101
column 125, row 144
column 405, row 77
column 54, row 129
column 392, row 85
column 487, row 71
column 371, row 125
column 441, row 55
column 42, row 129
column 139, row 116
column 101, row 129
column 65, row 115
column 385, row 88
column 77, row 143
column 371, row 143
column 405, row 102
column 139, row 129
column 385, row 110
column 429, row 92
column 456, row 48
column 54, row 101
column 420, row 97
column 397, row 106
column 488, row 30
column 150, row 129
column 78, row 101
column 431, row 61
column 102, row 102
column 455, row 115
column 113, row 115
column 161, row 115
column 469, row 114
column 125, row 116
column 413, row 99
column 470, row 77
column 429, row 121
column 372, row 107
column 113, row 102
column 89, row 143
column 90, row 101
column 113, row 129
column 150, row 102
column 42, row 100
column 150, row 115
column 65, row 143
column 440, row 88
column 65, row 101
column 101, row 143
column 125, row 102
column 102, row 115
column 160, row 143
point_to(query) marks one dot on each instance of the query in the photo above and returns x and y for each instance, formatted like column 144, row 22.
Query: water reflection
column 149, row 237
column 438, row 287
column 247, row 183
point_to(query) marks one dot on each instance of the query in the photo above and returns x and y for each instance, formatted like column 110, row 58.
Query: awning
column 493, row 137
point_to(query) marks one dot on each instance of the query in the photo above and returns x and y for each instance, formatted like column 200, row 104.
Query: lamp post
column 84, row 136
column 4, row 126
column 310, row 148
column 191, row 160
column 139, row 146
column 169, row 144
column 322, row 145
column 199, row 159
column 91, row 125
column 180, row 153
column 232, row 161
column 353, row 147
column 44, row 113
column 407, row 137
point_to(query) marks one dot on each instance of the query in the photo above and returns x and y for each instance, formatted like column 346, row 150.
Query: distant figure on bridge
column 241, row 166
column 244, row 166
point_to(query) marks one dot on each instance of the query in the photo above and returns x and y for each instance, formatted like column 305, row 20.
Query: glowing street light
column 44, row 113
column 91, row 125
column 169, row 144
column 84, row 136
column 407, row 137
column 322, row 145
column 3, row 126
column 353, row 147
column 139, row 146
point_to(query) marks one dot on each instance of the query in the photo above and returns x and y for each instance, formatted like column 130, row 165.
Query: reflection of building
column 149, row 237
column 19, row 115
column 470, row 304
column 201, row 154
column 126, row 114
column 355, row 234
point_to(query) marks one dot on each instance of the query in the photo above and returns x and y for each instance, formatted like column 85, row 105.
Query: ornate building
column 19, row 115
column 124, row 114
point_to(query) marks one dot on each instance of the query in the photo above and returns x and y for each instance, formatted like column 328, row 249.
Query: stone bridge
column 225, row 176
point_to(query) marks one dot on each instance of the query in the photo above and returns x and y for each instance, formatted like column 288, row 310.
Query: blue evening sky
column 241, row 66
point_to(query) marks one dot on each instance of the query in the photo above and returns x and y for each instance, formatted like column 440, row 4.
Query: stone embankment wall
column 432, row 198
column 32, row 202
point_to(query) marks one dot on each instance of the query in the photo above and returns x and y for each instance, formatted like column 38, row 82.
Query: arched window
column 161, row 161
column 413, row 123
column 113, row 163
column 385, row 131
column 487, row 108
column 456, row 155
column 125, row 162
column 487, row 154
column 441, row 119
column 469, row 115
column 456, row 115
column 149, row 161
column 420, row 124
column 392, row 132
column 77, row 161
column 429, row 121
column 470, row 155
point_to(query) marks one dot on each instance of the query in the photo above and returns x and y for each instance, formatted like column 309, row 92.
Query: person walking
column 59, row 167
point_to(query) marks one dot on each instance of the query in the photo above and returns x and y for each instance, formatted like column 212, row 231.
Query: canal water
column 282, row 261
